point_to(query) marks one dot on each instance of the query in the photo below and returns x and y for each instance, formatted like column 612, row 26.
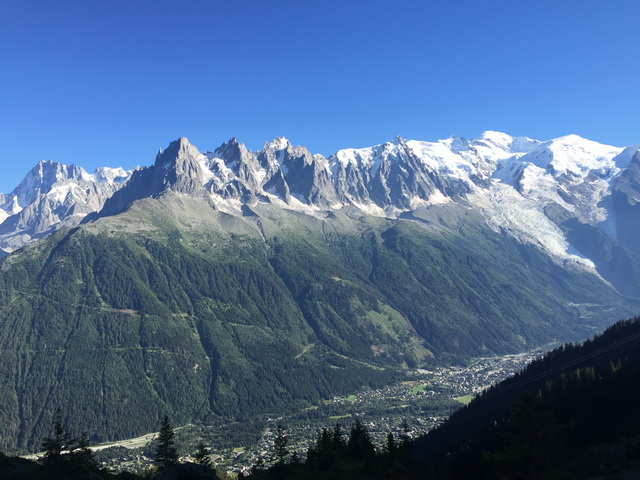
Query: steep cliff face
column 53, row 196
column 537, row 192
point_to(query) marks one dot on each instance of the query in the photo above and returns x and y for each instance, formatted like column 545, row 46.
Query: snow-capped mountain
column 51, row 196
column 574, row 198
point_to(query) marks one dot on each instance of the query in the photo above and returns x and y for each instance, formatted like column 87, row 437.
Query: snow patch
column 506, row 210
column 280, row 143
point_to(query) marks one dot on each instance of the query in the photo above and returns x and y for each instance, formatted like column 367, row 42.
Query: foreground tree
column 360, row 444
column 337, row 440
column 202, row 455
column 533, row 442
column 280, row 445
column 392, row 445
column 81, row 458
column 66, row 456
column 55, row 445
column 166, row 453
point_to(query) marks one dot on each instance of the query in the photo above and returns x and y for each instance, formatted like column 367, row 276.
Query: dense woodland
column 120, row 329
column 99, row 323
column 571, row 414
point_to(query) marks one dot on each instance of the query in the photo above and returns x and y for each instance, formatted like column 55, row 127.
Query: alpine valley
column 225, row 284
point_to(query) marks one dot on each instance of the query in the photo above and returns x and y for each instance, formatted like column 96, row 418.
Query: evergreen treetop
column 166, row 453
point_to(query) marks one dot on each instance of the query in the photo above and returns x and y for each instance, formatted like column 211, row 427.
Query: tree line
column 68, row 457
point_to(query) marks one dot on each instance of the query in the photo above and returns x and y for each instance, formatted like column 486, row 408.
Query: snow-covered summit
column 573, row 155
column 53, row 195
column 532, row 190
column 500, row 145
column 280, row 143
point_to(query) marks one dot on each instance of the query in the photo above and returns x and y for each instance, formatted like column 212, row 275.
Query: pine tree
column 202, row 455
column 360, row 444
column 392, row 446
column 337, row 440
column 166, row 453
column 533, row 444
column 324, row 452
column 54, row 446
column 80, row 458
column 405, row 438
column 280, row 444
column 66, row 456
column 324, row 443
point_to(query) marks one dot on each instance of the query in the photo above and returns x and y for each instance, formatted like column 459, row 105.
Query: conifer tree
column 323, row 454
column 404, row 436
column 66, row 456
column 202, row 456
column 80, row 458
column 280, row 444
column 360, row 444
column 55, row 445
column 166, row 453
column 337, row 440
column 324, row 443
column 392, row 446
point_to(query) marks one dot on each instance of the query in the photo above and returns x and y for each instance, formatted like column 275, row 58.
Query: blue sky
column 108, row 83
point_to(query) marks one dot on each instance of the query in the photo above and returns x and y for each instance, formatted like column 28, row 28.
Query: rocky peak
column 308, row 176
column 180, row 168
column 177, row 151
column 236, row 157
column 273, row 154
column 53, row 195
column 231, row 151
column 570, row 173
column 278, row 144
column 628, row 183
column 40, row 180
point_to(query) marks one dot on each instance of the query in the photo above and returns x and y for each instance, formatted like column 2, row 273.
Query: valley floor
column 421, row 402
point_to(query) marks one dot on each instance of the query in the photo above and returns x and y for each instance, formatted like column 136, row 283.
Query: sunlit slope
column 174, row 307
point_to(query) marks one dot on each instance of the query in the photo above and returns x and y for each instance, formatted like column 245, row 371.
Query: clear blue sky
column 108, row 82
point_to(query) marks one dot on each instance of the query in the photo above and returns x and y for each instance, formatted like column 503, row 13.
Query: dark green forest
column 119, row 327
column 572, row 414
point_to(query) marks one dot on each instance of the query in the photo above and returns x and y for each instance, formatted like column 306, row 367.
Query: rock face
column 179, row 168
column 574, row 198
column 52, row 196
column 626, row 199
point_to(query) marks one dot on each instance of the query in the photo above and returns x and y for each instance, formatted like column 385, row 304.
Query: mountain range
column 52, row 196
column 226, row 284
column 574, row 198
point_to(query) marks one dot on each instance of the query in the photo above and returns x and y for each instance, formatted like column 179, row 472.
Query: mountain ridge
column 540, row 193
column 52, row 196
column 221, row 285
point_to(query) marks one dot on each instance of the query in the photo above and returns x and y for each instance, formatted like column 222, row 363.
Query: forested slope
column 151, row 312
column 572, row 414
